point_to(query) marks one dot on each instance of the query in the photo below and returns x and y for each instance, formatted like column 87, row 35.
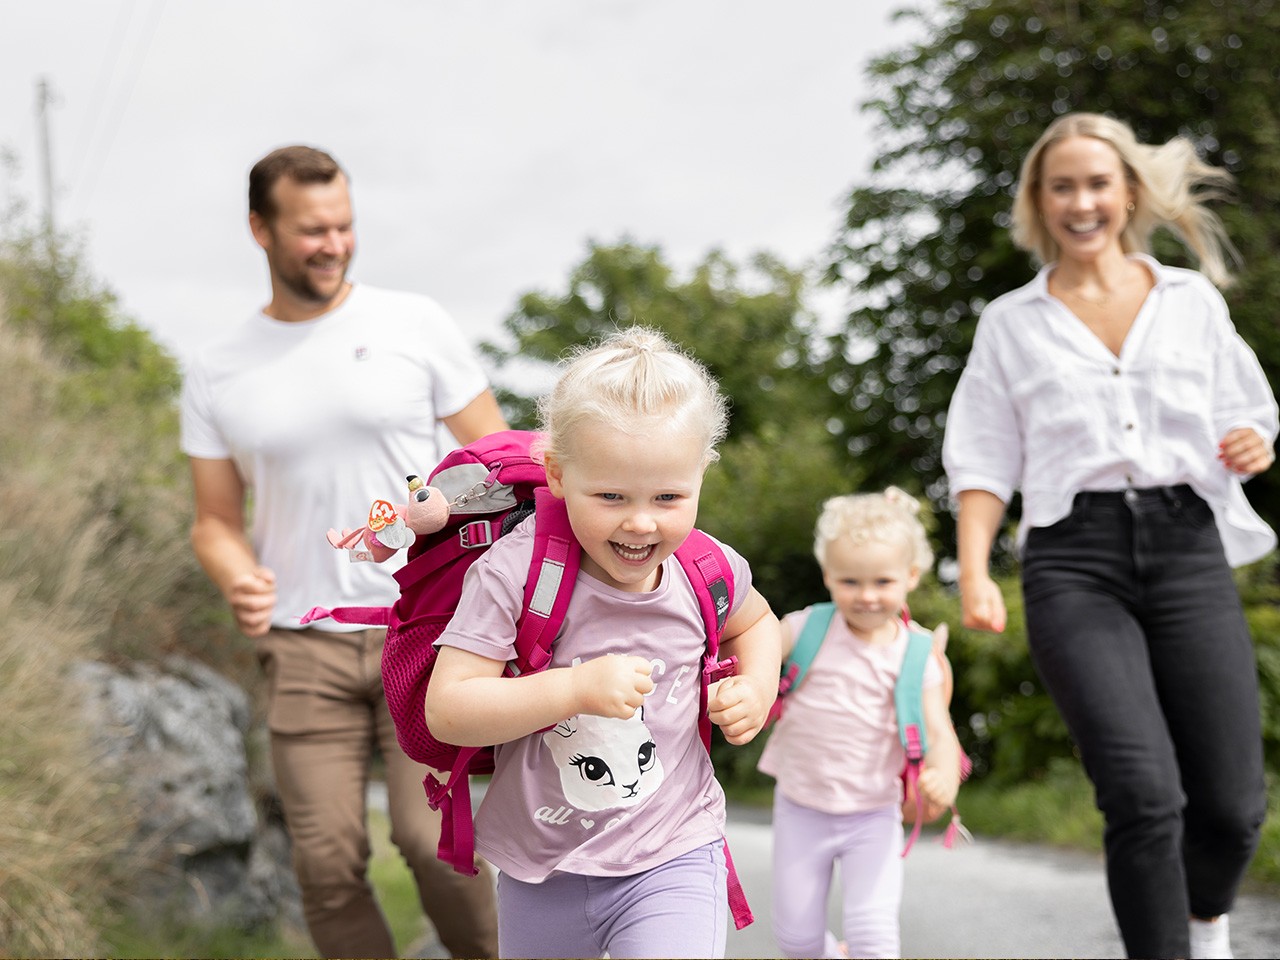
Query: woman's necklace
column 1099, row 301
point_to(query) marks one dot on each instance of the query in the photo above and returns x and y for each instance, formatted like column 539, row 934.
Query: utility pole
column 44, row 100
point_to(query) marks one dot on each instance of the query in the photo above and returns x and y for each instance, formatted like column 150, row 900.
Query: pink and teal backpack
column 492, row 485
column 907, row 701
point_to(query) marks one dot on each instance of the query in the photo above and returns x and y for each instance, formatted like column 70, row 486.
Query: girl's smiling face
column 869, row 583
column 632, row 498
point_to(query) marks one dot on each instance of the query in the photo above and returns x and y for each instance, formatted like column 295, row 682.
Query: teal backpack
column 908, row 705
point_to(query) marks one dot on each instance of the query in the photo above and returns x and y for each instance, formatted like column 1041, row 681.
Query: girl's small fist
column 613, row 685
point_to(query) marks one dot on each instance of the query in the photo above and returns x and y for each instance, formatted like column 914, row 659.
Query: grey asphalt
column 989, row 898
column 986, row 899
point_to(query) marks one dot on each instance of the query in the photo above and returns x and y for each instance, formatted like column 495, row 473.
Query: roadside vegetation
column 93, row 565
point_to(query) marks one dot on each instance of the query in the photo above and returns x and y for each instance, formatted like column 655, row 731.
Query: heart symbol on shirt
column 588, row 823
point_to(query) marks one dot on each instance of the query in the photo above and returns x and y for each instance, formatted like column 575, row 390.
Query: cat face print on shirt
column 605, row 762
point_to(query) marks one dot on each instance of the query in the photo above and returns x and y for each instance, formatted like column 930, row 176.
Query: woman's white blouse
column 1044, row 407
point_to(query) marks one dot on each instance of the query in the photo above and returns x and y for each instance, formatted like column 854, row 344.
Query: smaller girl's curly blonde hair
column 891, row 517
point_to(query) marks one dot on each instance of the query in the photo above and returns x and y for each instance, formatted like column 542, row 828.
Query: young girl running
column 836, row 753
column 604, row 816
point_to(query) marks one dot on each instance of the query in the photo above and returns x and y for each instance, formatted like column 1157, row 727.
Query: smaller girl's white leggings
column 807, row 844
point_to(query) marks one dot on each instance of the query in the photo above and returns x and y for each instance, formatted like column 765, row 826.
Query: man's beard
column 301, row 286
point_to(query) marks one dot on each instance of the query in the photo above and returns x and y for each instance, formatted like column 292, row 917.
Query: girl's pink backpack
column 492, row 485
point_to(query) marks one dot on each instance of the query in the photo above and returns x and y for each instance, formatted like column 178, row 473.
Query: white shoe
column 1211, row 939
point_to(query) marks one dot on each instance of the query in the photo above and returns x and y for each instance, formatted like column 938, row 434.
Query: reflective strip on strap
column 547, row 587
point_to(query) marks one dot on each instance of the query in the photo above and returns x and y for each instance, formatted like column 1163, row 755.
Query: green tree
column 926, row 245
column 52, row 293
column 751, row 328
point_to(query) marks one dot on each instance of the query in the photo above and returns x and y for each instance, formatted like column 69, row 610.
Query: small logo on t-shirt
column 362, row 353
column 720, row 593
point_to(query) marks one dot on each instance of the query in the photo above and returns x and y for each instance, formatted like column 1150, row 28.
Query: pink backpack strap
column 453, row 799
column 369, row 616
column 911, row 774
column 708, row 570
column 738, row 906
column 553, row 569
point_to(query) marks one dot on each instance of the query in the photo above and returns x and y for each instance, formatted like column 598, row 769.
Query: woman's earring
column 1132, row 206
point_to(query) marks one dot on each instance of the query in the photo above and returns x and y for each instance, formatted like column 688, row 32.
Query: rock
column 174, row 737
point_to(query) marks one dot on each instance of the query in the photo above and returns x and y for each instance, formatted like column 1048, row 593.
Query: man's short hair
column 299, row 163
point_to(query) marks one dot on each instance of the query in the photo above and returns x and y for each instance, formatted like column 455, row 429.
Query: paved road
column 987, row 899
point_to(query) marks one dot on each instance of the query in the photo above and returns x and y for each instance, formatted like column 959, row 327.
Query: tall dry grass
column 93, row 521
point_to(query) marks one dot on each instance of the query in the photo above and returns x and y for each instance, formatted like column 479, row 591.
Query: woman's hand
column 1242, row 451
column 982, row 604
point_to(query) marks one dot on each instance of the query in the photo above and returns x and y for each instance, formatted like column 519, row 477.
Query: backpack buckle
column 913, row 745
column 478, row 533
column 718, row 671
column 436, row 791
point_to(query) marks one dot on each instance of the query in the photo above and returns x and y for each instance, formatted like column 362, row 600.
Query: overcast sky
column 488, row 141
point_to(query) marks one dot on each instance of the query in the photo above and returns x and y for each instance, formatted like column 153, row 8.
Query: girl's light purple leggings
column 807, row 844
column 678, row 909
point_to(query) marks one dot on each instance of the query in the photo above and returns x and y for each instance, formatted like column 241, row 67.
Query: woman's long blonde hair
column 1170, row 183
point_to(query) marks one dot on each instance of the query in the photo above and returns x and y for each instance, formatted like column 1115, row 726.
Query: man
column 317, row 406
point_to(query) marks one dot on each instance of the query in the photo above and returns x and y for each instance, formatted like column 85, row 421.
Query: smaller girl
column 604, row 817
column 836, row 753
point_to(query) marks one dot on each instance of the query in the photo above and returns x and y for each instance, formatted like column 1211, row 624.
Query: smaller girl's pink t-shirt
column 836, row 747
column 595, row 795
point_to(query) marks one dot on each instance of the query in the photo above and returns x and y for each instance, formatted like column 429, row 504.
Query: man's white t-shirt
column 321, row 417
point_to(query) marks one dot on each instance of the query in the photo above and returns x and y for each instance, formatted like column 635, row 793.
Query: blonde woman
column 1116, row 395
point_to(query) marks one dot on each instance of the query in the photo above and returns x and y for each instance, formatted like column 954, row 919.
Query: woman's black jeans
column 1136, row 630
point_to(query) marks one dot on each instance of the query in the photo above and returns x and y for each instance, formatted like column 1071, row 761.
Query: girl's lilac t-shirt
column 595, row 795
column 836, row 748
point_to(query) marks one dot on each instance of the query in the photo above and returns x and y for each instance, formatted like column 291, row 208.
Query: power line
column 107, row 73
column 122, row 104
